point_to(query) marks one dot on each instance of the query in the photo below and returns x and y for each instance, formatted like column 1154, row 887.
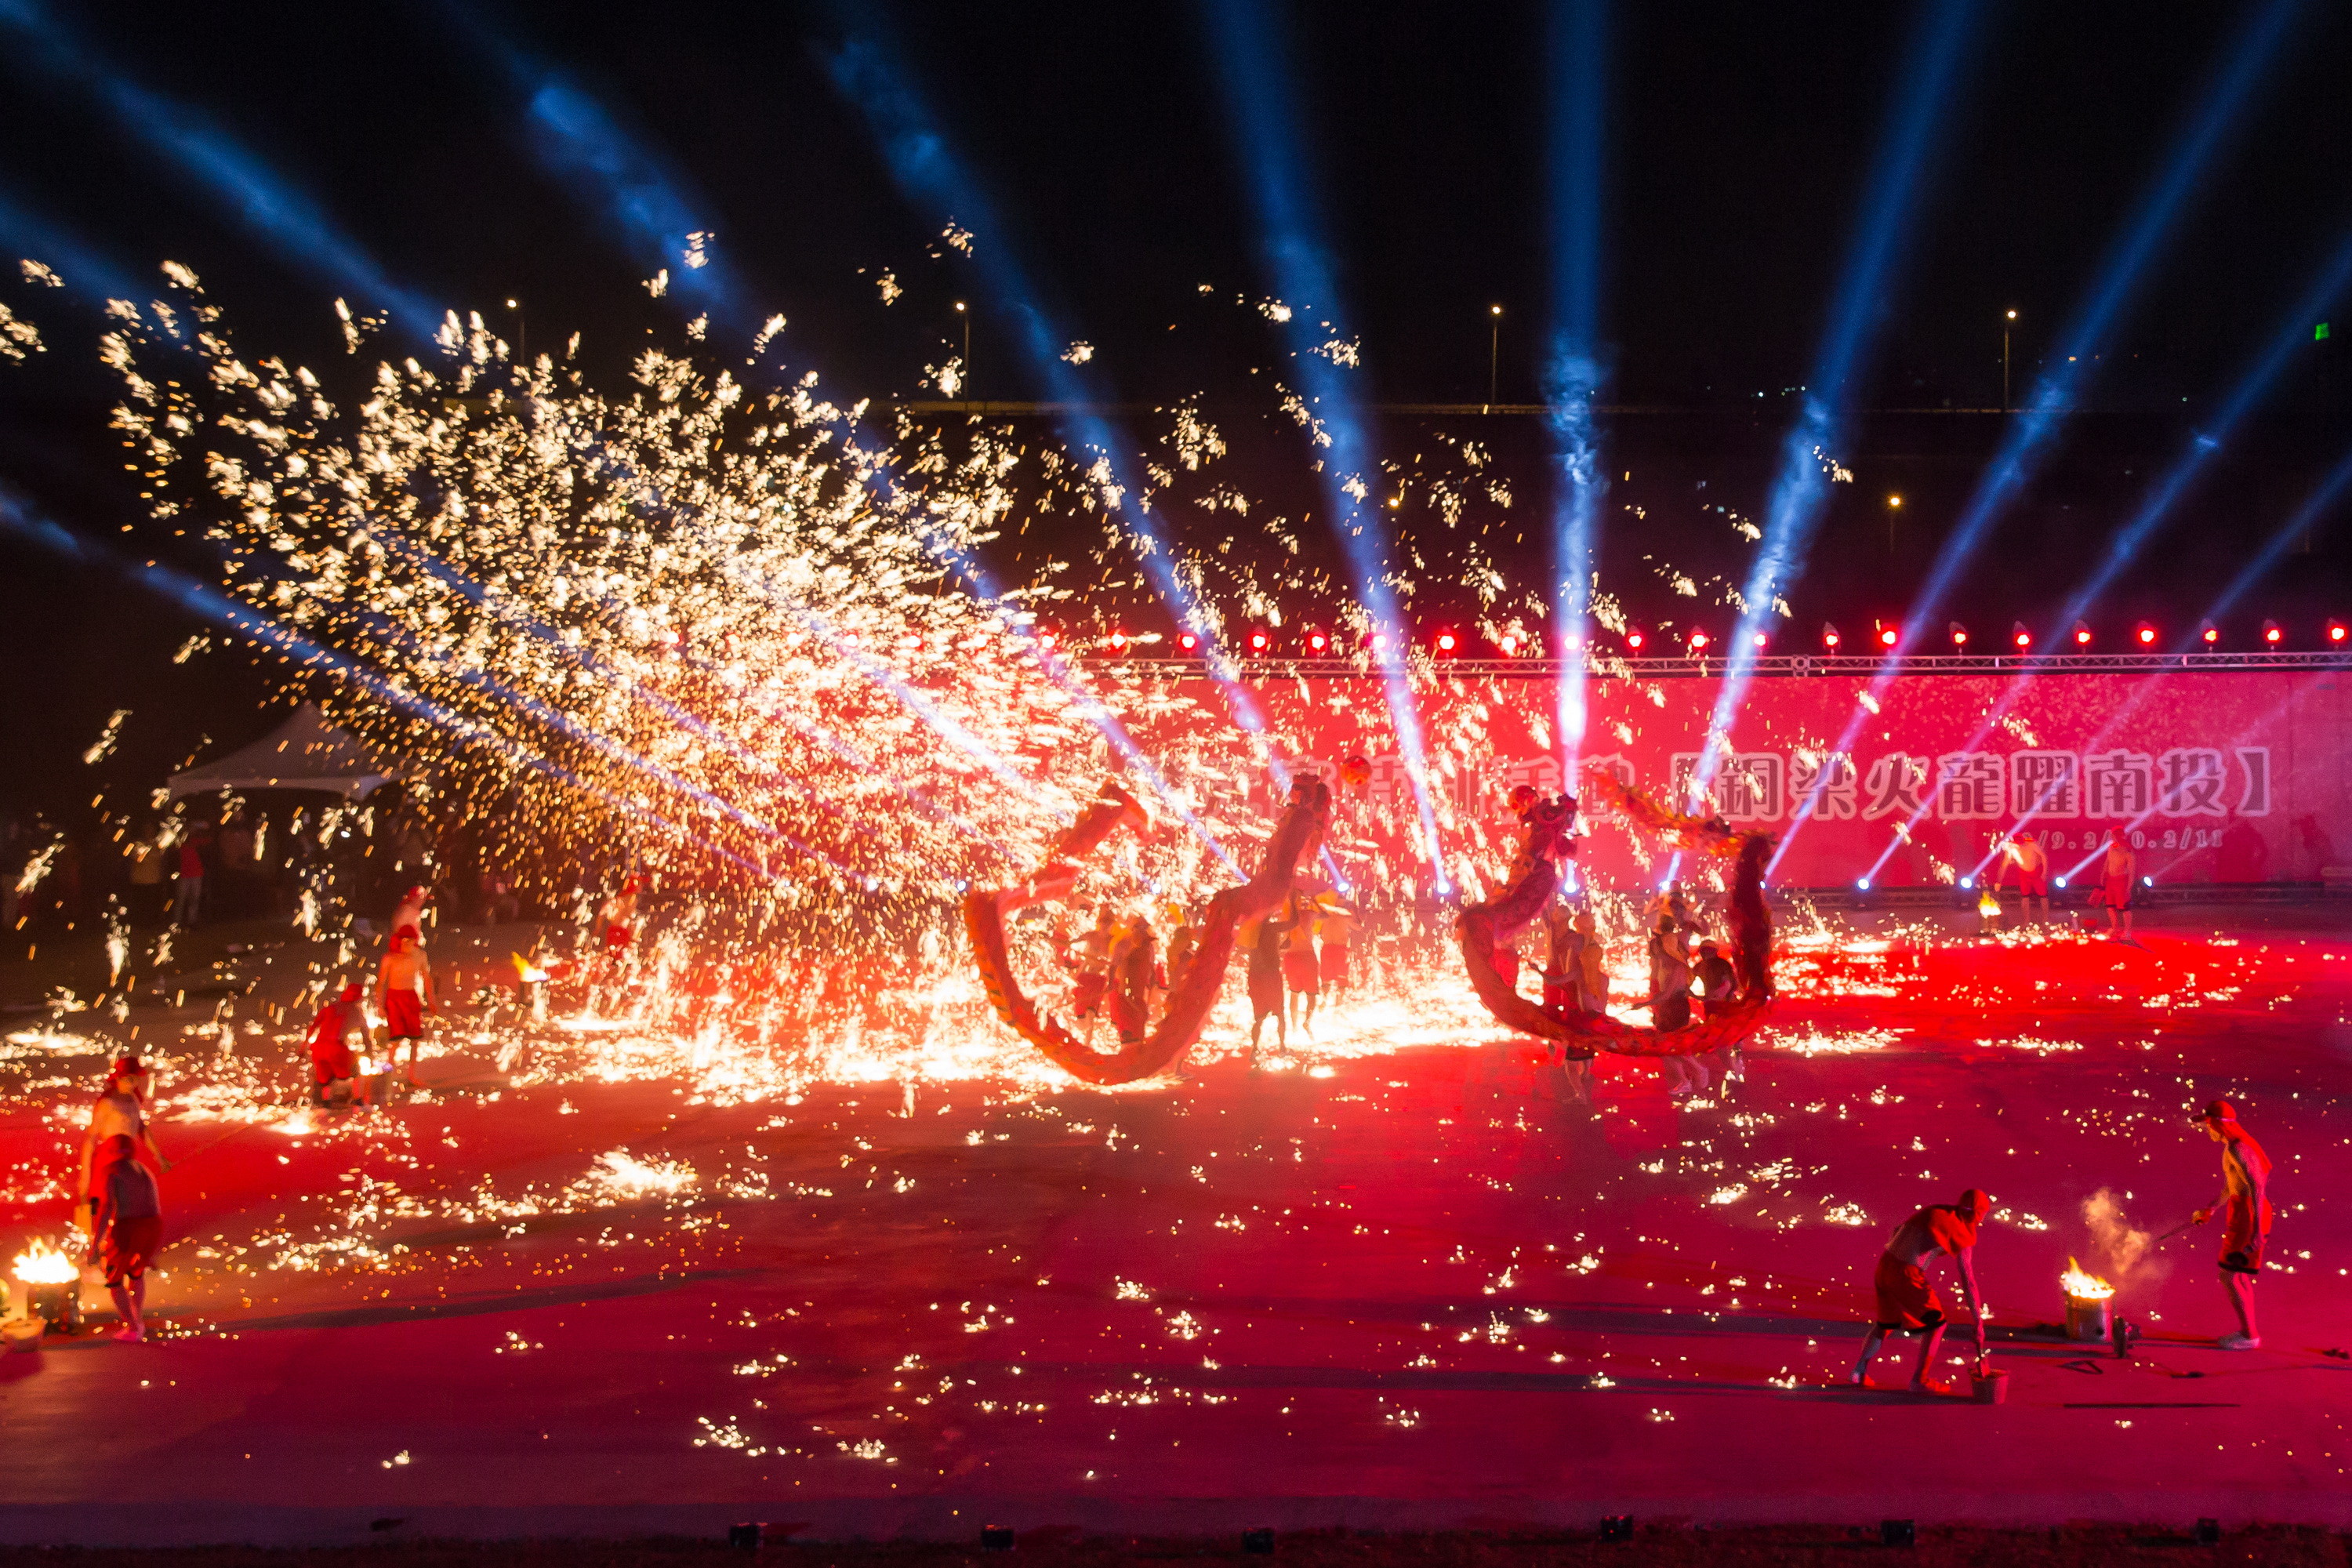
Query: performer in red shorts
column 330, row 1048
column 1907, row 1302
column 1335, row 930
column 408, row 994
column 124, row 1229
column 1302, row 975
column 2246, row 1208
column 2032, row 863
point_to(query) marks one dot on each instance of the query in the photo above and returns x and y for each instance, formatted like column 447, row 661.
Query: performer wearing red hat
column 408, row 994
column 1908, row 1303
column 330, row 1050
column 2246, row 1208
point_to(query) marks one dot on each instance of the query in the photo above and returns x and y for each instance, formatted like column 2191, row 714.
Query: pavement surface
column 602, row 1277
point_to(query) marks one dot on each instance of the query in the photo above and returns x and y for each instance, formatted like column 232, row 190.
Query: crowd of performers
column 1296, row 944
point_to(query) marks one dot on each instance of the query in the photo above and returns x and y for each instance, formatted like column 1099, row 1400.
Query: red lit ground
column 1423, row 1290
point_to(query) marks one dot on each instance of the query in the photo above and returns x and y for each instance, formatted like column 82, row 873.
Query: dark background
column 1740, row 135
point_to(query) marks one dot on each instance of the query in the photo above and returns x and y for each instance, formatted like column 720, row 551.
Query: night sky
column 1739, row 140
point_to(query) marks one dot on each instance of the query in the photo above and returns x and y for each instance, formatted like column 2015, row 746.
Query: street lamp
column 2007, row 322
column 1494, row 352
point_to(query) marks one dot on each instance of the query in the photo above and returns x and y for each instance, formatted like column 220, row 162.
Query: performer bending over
column 2246, row 1208
column 1907, row 1302
column 2032, row 863
column 330, row 1047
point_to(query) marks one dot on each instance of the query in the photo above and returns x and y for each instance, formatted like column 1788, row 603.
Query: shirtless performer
column 1090, row 956
column 2246, row 1208
column 2117, row 876
column 1264, row 937
column 1302, row 971
column 408, row 995
column 2033, row 864
column 1908, row 1303
column 410, row 912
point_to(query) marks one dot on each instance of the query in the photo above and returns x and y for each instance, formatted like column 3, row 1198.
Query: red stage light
column 2335, row 631
column 1959, row 635
column 1258, row 642
column 2082, row 635
column 2020, row 635
column 1445, row 642
column 1698, row 641
column 1759, row 639
column 1049, row 638
column 1634, row 641
column 1190, row 642
column 1886, row 636
column 1380, row 641
column 1119, row 642
column 2146, row 634
column 1829, row 637
column 1316, row 642
column 2213, row 634
column 2273, row 632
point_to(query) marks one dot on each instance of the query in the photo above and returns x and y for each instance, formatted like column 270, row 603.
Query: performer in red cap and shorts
column 126, row 1223
column 408, row 994
column 2246, row 1208
column 1907, row 1302
column 330, row 1048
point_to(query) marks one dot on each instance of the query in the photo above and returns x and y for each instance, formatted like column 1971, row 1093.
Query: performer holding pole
column 1908, row 1303
column 2246, row 1208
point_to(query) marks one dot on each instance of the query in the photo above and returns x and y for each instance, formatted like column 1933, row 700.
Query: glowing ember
column 1987, row 906
column 2082, row 1287
column 42, row 1264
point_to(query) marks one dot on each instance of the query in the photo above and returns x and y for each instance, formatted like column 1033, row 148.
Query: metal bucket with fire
column 2090, row 1304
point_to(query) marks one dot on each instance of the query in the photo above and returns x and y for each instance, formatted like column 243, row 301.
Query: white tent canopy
column 304, row 753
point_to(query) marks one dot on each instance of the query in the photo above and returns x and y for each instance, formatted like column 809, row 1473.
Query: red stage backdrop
column 2217, row 776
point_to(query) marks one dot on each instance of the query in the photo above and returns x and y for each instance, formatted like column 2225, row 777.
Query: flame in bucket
column 2083, row 1286
column 41, row 1264
column 1987, row 906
